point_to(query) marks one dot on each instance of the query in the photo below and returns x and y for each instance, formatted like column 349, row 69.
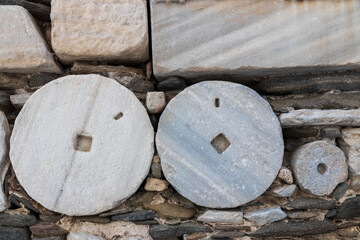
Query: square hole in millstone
column 83, row 143
column 220, row 143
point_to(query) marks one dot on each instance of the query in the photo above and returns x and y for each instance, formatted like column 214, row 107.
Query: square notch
column 220, row 143
column 83, row 143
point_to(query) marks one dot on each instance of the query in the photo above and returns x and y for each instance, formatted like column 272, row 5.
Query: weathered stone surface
column 171, row 83
column 121, row 209
column 340, row 190
column 172, row 231
column 168, row 210
column 330, row 132
column 331, row 213
column 217, row 144
column 83, row 236
column 134, row 216
column 311, row 83
column 39, row 11
column 154, row 184
column 4, row 158
column 99, row 167
column 51, row 238
column 246, row 38
column 221, row 216
column 311, row 203
column 17, row 219
column 350, row 144
column 100, row 30
column 350, row 208
column 19, row 100
column 85, row 68
column 46, row 230
column 284, row 190
column 301, row 214
column 296, row 229
column 156, row 170
column 23, row 50
column 40, row 79
column 10, row 81
column 285, row 174
column 228, row 235
column 14, row 233
column 155, row 102
column 313, row 117
column 319, row 167
column 348, row 232
column 267, row 215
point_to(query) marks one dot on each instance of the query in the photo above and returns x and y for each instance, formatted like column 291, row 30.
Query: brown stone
column 168, row 210
column 157, row 185
column 45, row 230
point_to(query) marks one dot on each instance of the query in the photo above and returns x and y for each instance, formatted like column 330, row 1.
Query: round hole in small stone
column 321, row 168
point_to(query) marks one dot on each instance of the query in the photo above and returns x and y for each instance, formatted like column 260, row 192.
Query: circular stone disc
column 220, row 144
column 319, row 167
column 82, row 144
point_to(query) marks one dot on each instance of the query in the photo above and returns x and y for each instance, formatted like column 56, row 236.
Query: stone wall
column 113, row 127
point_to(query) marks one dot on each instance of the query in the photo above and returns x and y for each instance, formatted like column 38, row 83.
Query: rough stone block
column 154, row 184
column 22, row 48
column 100, row 30
column 220, row 144
column 89, row 137
column 319, row 167
column 236, row 39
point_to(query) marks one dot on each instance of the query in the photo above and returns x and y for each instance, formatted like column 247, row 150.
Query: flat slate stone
column 302, row 214
column 47, row 230
column 350, row 208
column 22, row 48
column 311, row 203
column 171, row 83
column 284, row 190
column 14, row 233
column 100, row 30
column 340, row 190
column 295, row 229
column 221, row 216
column 235, row 39
column 4, row 158
column 267, row 215
column 220, row 144
column 315, row 117
column 173, row 231
column 134, row 216
column 319, row 167
column 90, row 138
column 17, row 219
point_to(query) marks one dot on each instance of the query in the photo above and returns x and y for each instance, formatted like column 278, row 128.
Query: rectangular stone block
column 115, row 30
column 241, row 39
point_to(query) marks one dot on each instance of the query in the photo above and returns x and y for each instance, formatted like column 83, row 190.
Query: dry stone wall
column 179, row 119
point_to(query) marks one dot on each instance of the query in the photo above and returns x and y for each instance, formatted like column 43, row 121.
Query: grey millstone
column 220, row 144
column 284, row 190
column 89, row 137
column 311, row 203
column 265, row 216
column 221, row 216
column 319, row 167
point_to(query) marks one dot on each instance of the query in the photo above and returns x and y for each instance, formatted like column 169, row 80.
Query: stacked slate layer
column 318, row 109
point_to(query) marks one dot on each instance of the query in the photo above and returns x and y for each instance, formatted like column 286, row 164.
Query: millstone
column 220, row 144
column 82, row 144
column 319, row 167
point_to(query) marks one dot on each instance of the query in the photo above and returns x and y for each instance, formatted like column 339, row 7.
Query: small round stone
column 82, row 144
column 319, row 167
column 220, row 144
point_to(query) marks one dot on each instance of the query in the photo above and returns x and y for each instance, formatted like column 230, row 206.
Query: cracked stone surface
column 4, row 158
column 100, row 30
column 242, row 161
column 319, row 167
column 22, row 48
column 82, row 144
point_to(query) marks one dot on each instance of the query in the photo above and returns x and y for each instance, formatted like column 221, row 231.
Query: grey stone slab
column 319, row 167
column 220, row 144
column 221, row 216
column 91, row 139
column 302, row 214
column 267, row 215
column 14, row 233
column 134, row 216
column 17, row 219
column 350, row 208
column 284, row 190
column 235, row 39
column 311, row 203
column 172, row 231
column 340, row 190
column 315, row 117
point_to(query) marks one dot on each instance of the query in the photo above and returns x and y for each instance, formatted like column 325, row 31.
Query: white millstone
column 265, row 216
column 220, row 144
column 350, row 144
column 210, row 38
column 100, row 30
column 4, row 159
column 221, row 216
column 22, row 47
column 315, row 117
column 284, row 190
column 82, row 144
column 319, row 167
